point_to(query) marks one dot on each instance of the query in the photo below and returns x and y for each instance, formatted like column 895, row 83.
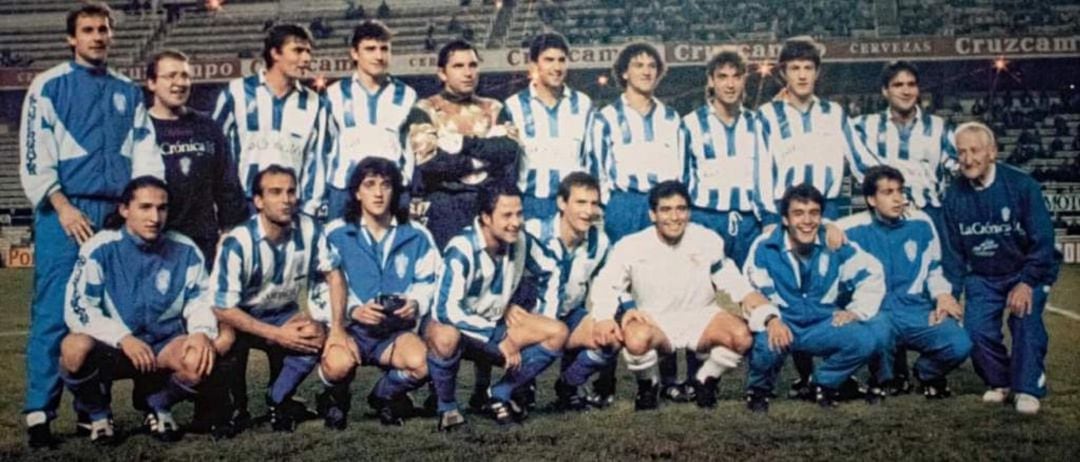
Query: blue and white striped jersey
column 475, row 289
column 726, row 171
column 910, row 254
column 263, row 278
column 637, row 151
column 805, row 292
column 405, row 262
column 367, row 124
column 924, row 151
column 124, row 285
column 577, row 266
column 810, row 147
column 261, row 130
column 85, row 132
column 554, row 138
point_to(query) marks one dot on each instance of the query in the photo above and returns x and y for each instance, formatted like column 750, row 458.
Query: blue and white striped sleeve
column 425, row 274
column 87, row 310
column 226, row 279
column 765, row 173
column 543, row 267
column 39, row 149
column 450, row 302
column 601, row 155
column 949, row 158
column 864, row 276
column 198, row 309
column 225, row 117
column 314, row 174
column 857, row 154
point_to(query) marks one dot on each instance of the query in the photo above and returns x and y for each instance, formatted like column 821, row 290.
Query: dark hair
column 281, row 33
column 879, row 172
column 115, row 220
column 633, row 50
column 489, row 196
column 273, row 169
column 450, row 48
column 577, row 180
column 372, row 29
column 803, row 193
column 800, row 48
column 380, row 167
column 88, row 9
column 152, row 63
column 665, row 190
column 543, row 42
column 893, row 68
column 724, row 58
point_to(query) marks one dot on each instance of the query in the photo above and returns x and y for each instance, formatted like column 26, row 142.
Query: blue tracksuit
column 84, row 132
column 805, row 294
column 910, row 252
column 1002, row 235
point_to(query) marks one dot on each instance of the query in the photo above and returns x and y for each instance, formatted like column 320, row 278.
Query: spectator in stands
column 979, row 108
column 1056, row 146
column 468, row 33
column 383, row 12
column 354, row 11
column 320, row 29
column 454, row 26
column 76, row 155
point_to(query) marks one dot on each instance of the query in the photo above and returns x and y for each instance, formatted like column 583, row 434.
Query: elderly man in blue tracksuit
column 919, row 311
column 1002, row 238
column 84, row 130
column 803, row 278
column 136, row 306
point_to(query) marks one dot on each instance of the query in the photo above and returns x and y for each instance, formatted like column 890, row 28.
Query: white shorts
column 685, row 328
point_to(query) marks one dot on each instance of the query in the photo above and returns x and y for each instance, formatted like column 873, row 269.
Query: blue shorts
column 372, row 347
column 573, row 318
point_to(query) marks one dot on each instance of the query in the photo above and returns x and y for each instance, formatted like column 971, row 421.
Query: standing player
column 368, row 110
column 1000, row 232
column 137, row 308
column 272, row 119
column 918, row 144
column 724, row 151
column 84, row 133
column 919, row 311
column 808, row 138
column 580, row 248
column 638, row 140
column 473, row 314
column 460, row 145
column 659, row 285
column 204, row 193
column 803, row 278
column 552, row 120
column 385, row 282
column 255, row 286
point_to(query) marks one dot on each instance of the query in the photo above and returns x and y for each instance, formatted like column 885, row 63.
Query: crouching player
column 255, row 285
column 919, row 311
column 136, row 309
column 580, row 247
column 659, row 288
column 804, row 279
column 483, row 267
column 385, row 282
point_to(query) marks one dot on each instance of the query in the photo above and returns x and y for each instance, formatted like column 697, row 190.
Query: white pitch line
column 1066, row 313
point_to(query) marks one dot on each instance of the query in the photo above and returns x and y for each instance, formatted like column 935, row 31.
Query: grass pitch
column 904, row 428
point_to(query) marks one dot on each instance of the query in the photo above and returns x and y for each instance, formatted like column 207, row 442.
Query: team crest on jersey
column 823, row 264
column 119, row 102
column 185, row 165
column 401, row 264
column 909, row 250
column 1005, row 213
column 161, row 283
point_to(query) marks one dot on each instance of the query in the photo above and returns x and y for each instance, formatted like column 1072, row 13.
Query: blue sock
column 587, row 363
column 534, row 359
column 173, row 392
column 444, row 378
column 394, row 383
column 294, row 369
column 90, row 392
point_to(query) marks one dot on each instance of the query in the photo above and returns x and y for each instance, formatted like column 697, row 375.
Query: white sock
column 644, row 366
column 36, row 418
column 720, row 360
